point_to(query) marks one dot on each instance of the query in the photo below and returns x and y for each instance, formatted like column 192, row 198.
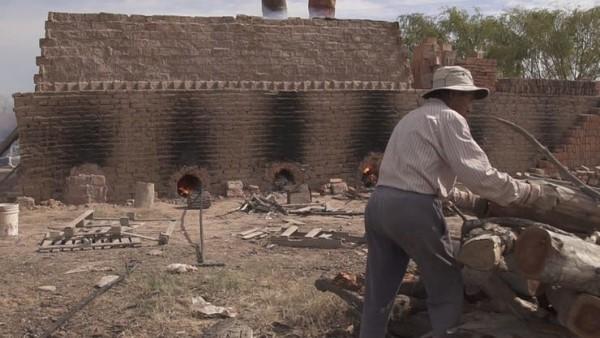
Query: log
column 144, row 195
column 575, row 211
column 503, row 297
column 485, row 245
column 404, row 305
column 554, row 258
column 577, row 312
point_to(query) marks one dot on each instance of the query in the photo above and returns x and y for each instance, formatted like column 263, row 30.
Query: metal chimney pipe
column 274, row 9
column 321, row 8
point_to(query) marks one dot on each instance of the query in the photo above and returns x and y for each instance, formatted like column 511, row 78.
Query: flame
column 183, row 192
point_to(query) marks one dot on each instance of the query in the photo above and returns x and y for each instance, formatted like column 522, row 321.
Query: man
column 428, row 150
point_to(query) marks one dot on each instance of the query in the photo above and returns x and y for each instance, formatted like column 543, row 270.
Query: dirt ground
column 271, row 289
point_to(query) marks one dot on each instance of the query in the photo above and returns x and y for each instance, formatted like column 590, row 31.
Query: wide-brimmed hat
column 455, row 78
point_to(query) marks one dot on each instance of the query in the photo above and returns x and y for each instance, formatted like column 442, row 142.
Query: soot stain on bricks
column 375, row 123
column 189, row 131
column 89, row 133
column 286, row 126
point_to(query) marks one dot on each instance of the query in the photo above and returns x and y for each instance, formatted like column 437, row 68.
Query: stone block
column 80, row 190
column 25, row 203
column 339, row 188
column 234, row 189
column 301, row 194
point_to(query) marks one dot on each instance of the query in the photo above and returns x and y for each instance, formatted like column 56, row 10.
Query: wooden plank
column 79, row 221
column 313, row 233
column 253, row 234
column 289, row 231
column 326, row 236
column 318, row 243
column 247, row 232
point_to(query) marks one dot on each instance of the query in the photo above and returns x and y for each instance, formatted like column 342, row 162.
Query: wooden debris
column 289, row 231
column 164, row 237
column 317, row 243
column 312, row 233
column 80, row 220
column 97, row 292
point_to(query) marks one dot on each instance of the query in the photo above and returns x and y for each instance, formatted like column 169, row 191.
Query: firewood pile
column 540, row 268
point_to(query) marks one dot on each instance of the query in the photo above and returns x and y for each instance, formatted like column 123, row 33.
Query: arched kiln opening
column 284, row 175
column 369, row 169
column 188, row 184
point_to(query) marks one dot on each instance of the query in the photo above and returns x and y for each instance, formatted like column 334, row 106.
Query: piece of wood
column 81, row 304
column 253, row 234
column 312, row 233
column 317, row 243
column 502, row 295
column 164, row 237
column 554, row 258
column 144, row 195
column 575, row 211
column 522, row 285
column 80, row 220
column 579, row 312
column 483, row 253
column 244, row 233
column 403, row 306
column 138, row 236
column 289, row 231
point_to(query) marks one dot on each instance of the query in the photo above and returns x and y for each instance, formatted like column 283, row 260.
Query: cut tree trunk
column 484, row 247
column 502, row 296
column 403, row 305
column 580, row 313
column 554, row 258
column 575, row 211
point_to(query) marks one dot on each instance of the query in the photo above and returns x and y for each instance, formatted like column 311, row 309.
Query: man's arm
column 471, row 165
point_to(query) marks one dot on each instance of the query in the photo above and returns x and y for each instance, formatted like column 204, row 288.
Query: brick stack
column 483, row 71
column 582, row 143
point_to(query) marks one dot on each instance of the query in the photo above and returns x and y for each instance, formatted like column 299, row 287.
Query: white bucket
column 9, row 219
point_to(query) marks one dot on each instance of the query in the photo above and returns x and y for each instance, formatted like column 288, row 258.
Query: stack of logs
column 542, row 268
column 538, row 264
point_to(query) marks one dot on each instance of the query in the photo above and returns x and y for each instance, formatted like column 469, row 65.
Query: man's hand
column 542, row 197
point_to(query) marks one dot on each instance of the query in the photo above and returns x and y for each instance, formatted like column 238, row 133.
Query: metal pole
column 201, row 248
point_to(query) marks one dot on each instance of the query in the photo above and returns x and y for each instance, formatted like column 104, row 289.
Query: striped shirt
column 432, row 147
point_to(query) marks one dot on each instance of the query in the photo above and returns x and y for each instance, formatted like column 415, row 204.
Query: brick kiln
column 186, row 101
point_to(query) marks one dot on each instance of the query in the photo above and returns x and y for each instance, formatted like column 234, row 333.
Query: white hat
column 455, row 78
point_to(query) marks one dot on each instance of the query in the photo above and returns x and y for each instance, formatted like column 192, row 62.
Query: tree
column 530, row 43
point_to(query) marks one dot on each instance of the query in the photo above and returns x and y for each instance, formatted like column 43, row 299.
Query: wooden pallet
column 83, row 243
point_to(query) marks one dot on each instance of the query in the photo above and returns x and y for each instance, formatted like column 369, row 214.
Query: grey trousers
column 401, row 225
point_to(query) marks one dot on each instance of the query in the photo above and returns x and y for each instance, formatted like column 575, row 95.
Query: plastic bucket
column 9, row 219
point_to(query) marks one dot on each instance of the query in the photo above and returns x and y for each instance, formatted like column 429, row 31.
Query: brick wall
column 581, row 144
column 548, row 118
column 233, row 132
column 548, row 87
column 101, row 47
column 149, row 135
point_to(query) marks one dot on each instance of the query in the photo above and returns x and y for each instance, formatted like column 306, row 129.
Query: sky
column 22, row 21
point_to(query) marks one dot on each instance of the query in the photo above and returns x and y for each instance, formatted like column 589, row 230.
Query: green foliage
column 530, row 43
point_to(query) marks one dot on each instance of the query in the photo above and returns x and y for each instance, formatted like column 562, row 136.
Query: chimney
column 321, row 8
column 274, row 9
